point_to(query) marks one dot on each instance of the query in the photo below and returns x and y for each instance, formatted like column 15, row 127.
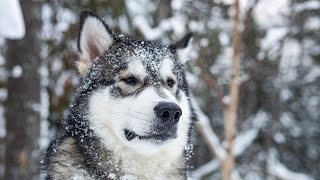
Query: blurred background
column 278, row 124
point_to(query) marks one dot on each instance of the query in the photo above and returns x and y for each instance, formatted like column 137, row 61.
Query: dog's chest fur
column 69, row 162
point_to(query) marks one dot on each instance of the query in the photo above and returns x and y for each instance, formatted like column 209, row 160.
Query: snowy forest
column 253, row 71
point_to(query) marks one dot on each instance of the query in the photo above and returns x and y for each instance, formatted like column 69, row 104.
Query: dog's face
column 142, row 100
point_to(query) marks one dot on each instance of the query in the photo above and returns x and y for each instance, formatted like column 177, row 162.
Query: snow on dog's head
column 139, row 97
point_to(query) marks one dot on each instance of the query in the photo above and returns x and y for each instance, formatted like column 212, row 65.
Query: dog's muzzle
column 165, row 125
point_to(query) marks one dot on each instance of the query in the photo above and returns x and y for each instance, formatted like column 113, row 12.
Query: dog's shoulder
column 64, row 159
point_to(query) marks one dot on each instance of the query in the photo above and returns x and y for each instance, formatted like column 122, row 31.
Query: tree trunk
column 22, row 106
column 230, row 111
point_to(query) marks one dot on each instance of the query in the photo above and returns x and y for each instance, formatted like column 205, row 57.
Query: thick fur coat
column 131, row 115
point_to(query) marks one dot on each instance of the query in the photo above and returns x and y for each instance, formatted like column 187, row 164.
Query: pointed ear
column 181, row 48
column 182, row 43
column 94, row 38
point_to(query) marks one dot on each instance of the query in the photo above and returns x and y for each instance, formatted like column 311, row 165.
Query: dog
column 131, row 114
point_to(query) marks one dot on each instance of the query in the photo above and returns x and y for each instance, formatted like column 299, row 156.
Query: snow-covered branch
column 205, row 169
column 280, row 171
column 204, row 128
column 244, row 140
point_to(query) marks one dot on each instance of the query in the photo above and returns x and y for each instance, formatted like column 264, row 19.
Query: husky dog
column 131, row 115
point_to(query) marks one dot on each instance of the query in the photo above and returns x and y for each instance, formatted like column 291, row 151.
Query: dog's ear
column 181, row 47
column 94, row 38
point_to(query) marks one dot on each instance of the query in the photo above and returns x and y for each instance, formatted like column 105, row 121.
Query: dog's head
column 140, row 97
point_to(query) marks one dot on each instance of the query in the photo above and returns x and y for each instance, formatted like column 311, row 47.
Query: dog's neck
column 164, row 164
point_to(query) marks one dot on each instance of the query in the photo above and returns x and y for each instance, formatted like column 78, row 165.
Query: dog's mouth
column 154, row 137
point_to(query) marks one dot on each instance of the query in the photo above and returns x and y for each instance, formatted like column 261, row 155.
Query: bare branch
column 230, row 111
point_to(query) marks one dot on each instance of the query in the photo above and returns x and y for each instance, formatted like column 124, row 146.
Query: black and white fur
column 114, row 128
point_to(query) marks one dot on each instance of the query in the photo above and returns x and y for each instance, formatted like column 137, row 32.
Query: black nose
column 169, row 113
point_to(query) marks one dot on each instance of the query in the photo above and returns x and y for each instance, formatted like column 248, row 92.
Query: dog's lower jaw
column 157, row 138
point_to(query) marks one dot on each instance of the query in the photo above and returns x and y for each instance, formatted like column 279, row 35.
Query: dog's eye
column 130, row 80
column 170, row 82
